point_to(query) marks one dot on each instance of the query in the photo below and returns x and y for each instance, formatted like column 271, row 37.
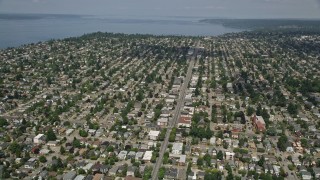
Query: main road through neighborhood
column 173, row 122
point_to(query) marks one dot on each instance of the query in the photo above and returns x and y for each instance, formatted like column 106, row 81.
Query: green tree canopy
column 282, row 143
column 51, row 136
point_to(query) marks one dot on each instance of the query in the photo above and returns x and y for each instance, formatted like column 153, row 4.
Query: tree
column 304, row 143
column 230, row 174
column 62, row 150
column 272, row 131
column 83, row 133
column 15, row 148
column 200, row 161
column 76, row 143
column 3, row 122
column 147, row 173
column 207, row 159
column 293, row 109
column 220, row 155
column 58, row 165
column 242, row 141
column 172, row 136
column 267, row 177
column 282, row 143
column 225, row 145
column 282, row 172
column 137, row 173
column 42, row 159
column 219, row 134
column 51, row 136
column 5, row 173
column 259, row 110
column 110, row 149
column 210, row 176
column 261, row 161
column 162, row 172
column 81, row 171
column 189, row 168
column 237, row 105
column 265, row 114
column 162, row 134
column 140, row 95
column 197, row 92
column 250, row 111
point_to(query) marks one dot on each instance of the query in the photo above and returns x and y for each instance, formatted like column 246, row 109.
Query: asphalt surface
column 180, row 103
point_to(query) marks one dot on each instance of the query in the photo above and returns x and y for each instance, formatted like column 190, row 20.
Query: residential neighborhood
column 128, row 107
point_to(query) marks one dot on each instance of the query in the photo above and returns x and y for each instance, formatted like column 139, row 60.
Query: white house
column 276, row 170
column 290, row 149
column 153, row 135
column 39, row 139
column 147, row 156
column 69, row 132
column 213, row 140
column 163, row 122
column 88, row 167
column 230, row 87
column 52, row 143
column 177, row 148
column 138, row 156
column 316, row 173
column 229, row 155
column 306, row 175
column 122, row 155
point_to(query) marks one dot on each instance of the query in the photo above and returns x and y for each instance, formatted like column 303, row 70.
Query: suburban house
column 153, row 135
column 147, row 156
column 122, row 155
column 39, row 139
column 69, row 175
column 162, row 122
column 177, row 148
column 259, row 123
column 184, row 121
column 229, row 155
column 316, row 173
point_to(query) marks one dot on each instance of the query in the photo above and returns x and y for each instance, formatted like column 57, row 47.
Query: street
column 180, row 103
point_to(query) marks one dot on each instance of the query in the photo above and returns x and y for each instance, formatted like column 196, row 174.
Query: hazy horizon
column 151, row 17
column 236, row 9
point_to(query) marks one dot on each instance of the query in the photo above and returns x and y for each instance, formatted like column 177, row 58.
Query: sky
column 158, row 8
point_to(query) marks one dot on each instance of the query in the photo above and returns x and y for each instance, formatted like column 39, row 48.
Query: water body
column 16, row 30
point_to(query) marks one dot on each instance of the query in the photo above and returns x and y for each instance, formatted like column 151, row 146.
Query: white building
column 80, row 177
column 230, row 87
column 139, row 156
column 276, row 170
column 153, row 135
column 147, row 156
column 306, row 175
column 163, row 122
column 69, row 132
column 229, row 155
column 177, row 148
column 88, row 167
column 122, row 155
column 213, row 140
column 39, row 139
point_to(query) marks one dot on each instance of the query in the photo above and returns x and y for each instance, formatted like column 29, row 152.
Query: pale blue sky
column 149, row 8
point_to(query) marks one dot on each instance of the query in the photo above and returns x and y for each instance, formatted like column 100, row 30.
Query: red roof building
column 184, row 121
column 259, row 123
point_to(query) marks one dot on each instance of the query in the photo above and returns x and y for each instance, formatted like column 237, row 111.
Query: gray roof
column 69, row 175
column 177, row 146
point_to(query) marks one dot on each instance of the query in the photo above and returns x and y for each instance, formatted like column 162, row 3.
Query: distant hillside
column 35, row 16
column 274, row 24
